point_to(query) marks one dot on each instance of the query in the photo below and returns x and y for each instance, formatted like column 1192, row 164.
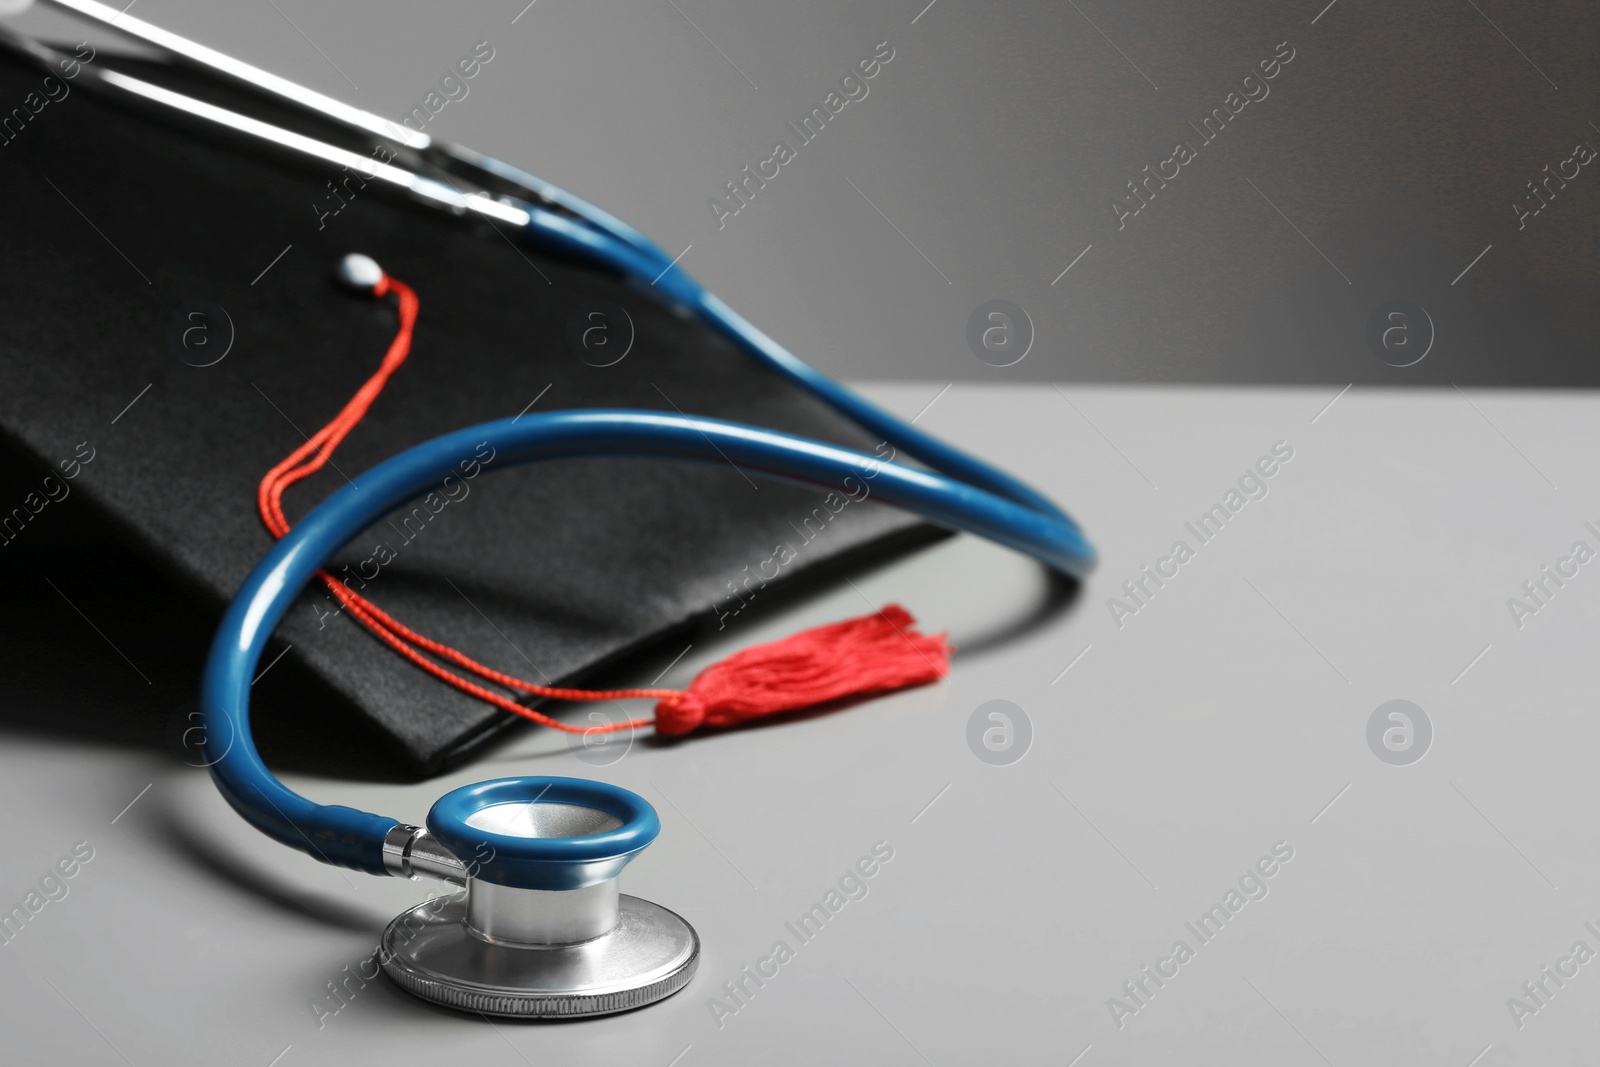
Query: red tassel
column 873, row 654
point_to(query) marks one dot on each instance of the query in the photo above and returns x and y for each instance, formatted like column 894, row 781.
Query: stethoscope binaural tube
column 650, row 271
column 351, row 838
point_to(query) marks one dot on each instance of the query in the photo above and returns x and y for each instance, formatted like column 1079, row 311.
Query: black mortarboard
column 170, row 329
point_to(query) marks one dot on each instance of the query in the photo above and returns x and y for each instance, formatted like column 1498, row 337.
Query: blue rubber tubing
column 643, row 265
column 351, row 838
column 608, row 242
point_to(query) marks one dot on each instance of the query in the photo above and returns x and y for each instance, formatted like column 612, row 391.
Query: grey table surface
column 1153, row 765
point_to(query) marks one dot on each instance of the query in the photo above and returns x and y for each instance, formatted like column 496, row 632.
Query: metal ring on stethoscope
column 544, row 833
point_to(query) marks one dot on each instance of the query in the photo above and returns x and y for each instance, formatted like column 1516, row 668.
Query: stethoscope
column 541, row 930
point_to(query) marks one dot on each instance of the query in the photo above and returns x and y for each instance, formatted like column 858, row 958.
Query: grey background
column 983, row 159
column 1166, row 755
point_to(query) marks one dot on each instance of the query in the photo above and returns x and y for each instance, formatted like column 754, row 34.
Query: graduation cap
column 170, row 330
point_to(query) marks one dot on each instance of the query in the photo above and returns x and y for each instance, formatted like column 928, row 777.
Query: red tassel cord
column 873, row 654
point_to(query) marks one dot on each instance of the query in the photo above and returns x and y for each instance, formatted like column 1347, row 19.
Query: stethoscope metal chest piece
column 541, row 930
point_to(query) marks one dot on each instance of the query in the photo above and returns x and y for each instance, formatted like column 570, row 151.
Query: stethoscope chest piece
column 541, row 931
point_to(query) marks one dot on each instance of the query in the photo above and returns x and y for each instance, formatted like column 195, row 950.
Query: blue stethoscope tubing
column 615, row 245
column 959, row 492
column 351, row 838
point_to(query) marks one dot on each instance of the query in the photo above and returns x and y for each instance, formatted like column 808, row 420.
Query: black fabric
column 119, row 228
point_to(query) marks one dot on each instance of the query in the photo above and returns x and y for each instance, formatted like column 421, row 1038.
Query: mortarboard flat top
column 170, row 329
